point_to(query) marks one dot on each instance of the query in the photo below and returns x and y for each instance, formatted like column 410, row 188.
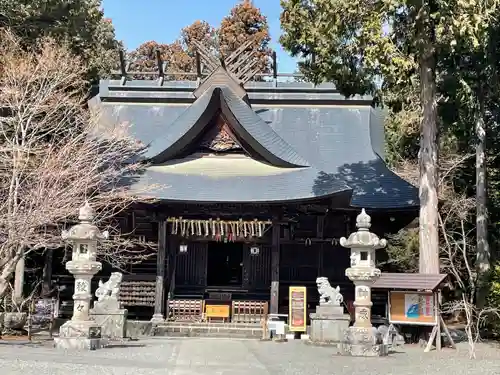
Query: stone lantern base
column 79, row 335
column 363, row 342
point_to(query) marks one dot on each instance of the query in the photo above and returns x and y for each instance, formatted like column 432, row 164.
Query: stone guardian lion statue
column 327, row 294
column 110, row 288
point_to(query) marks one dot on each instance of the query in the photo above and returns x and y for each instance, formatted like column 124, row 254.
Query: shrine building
column 255, row 182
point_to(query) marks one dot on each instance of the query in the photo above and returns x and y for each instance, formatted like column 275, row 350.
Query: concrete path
column 237, row 357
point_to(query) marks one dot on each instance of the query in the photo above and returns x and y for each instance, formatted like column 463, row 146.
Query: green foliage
column 402, row 250
column 493, row 301
column 381, row 47
column 80, row 23
column 494, row 295
column 356, row 43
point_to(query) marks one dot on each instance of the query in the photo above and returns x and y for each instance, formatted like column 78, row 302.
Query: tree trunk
column 483, row 248
column 428, row 158
column 19, row 280
column 6, row 272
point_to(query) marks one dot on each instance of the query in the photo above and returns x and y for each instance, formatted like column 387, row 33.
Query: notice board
column 297, row 309
column 413, row 308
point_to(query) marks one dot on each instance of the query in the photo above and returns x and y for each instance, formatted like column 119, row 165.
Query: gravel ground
column 237, row 357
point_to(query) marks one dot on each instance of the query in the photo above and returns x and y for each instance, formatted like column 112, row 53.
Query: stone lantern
column 362, row 338
column 81, row 332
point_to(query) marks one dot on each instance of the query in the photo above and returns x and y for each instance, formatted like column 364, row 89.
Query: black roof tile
column 341, row 140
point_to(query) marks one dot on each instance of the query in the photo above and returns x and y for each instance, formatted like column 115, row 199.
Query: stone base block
column 112, row 323
column 363, row 350
column 363, row 342
column 75, row 334
column 328, row 329
column 329, row 310
column 157, row 319
column 77, row 343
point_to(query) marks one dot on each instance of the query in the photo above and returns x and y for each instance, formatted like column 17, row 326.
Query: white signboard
column 278, row 326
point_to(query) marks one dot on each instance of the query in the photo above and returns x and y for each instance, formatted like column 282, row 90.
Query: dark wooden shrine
column 255, row 181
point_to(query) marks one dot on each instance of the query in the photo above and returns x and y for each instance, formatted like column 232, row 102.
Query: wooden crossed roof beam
column 233, row 68
column 211, row 61
column 239, row 63
column 233, row 56
column 248, row 76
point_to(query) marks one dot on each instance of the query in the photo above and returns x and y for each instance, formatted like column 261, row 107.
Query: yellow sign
column 217, row 311
column 297, row 312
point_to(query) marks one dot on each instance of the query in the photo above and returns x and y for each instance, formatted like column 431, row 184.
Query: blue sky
column 138, row 21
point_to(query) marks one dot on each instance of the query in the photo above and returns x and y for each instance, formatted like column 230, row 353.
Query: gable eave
column 259, row 139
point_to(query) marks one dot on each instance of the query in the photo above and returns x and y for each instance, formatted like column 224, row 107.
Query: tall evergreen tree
column 79, row 23
column 245, row 22
column 355, row 43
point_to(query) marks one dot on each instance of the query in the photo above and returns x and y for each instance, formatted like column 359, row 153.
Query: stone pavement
column 188, row 356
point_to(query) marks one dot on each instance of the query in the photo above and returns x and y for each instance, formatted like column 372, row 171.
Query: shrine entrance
column 225, row 264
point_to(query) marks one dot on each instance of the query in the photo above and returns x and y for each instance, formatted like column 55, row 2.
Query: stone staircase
column 223, row 330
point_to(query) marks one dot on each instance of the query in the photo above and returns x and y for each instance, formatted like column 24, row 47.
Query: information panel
column 298, row 309
column 412, row 308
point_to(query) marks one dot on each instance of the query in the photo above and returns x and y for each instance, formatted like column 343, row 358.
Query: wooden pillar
column 160, row 272
column 47, row 273
column 275, row 268
column 170, row 272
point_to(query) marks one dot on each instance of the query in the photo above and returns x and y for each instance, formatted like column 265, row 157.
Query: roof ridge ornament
column 234, row 71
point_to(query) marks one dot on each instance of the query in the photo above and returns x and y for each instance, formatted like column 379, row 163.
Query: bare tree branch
column 55, row 154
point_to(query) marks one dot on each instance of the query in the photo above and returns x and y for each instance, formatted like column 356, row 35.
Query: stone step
column 207, row 330
column 212, row 324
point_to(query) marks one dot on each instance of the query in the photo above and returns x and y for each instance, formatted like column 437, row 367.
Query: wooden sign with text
column 297, row 321
column 217, row 311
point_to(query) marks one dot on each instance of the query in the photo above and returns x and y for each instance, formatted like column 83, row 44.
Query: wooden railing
column 193, row 310
column 186, row 310
column 249, row 311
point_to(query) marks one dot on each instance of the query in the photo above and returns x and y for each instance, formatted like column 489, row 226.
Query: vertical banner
column 297, row 309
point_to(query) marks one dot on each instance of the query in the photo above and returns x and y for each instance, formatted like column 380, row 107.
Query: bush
column 493, row 300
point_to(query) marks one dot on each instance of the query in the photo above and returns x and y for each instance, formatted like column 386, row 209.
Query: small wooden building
column 256, row 181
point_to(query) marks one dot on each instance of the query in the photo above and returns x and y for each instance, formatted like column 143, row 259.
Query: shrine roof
column 259, row 136
column 409, row 281
column 208, row 178
column 322, row 142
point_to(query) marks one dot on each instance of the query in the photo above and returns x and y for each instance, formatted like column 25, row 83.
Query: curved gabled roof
column 340, row 141
column 254, row 134
column 237, row 178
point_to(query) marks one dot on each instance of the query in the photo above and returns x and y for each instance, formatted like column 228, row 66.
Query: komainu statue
column 110, row 288
column 327, row 294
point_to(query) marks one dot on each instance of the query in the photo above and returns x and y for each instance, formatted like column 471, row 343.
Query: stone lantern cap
column 363, row 238
column 85, row 231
